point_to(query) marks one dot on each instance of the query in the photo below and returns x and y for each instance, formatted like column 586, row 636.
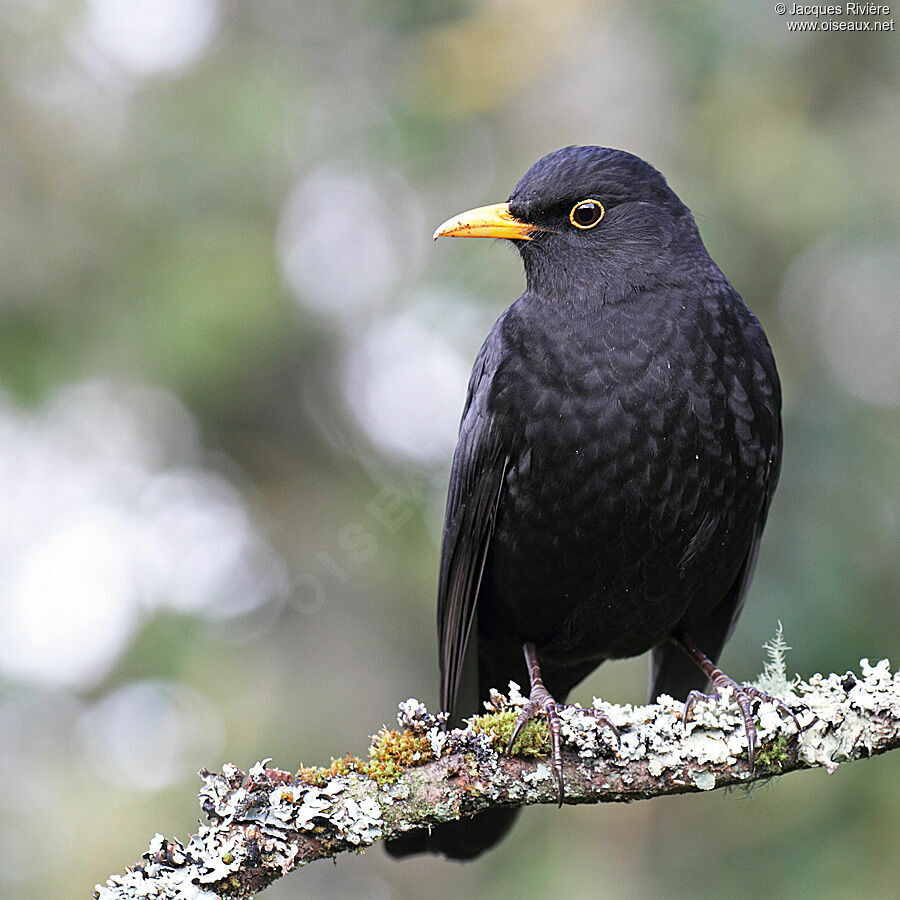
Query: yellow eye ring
column 586, row 213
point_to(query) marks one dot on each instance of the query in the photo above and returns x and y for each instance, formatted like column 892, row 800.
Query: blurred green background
column 232, row 364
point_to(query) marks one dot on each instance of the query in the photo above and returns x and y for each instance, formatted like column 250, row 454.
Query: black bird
column 618, row 452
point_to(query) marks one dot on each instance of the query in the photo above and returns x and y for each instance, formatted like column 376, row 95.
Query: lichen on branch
column 266, row 822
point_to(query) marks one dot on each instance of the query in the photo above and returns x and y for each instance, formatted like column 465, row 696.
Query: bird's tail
column 462, row 839
column 468, row 837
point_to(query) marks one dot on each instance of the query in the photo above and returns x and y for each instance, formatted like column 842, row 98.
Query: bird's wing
column 672, row 671
column 476, row 481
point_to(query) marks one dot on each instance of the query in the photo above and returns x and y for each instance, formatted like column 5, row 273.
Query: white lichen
column 411, row 711
column 258, row 816
column 413, row 715
column 516, row 698
column 542, row 772
column 773, row 679
column 248, row 820
column 437, row 740
column 852, row 714
column 705, row 781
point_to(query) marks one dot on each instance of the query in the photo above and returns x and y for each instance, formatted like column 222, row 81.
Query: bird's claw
column 742, row 694
column 541, row 701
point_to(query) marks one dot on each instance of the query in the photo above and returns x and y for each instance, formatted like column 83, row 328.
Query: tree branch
column 268, row 822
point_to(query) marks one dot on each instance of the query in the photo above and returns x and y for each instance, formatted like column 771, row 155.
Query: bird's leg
column 540, row 699
column 742, row 694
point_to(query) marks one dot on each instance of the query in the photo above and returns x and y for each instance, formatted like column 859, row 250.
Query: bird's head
column 590, row 222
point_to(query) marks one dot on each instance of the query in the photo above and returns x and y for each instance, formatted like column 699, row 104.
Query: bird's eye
column 586, row 214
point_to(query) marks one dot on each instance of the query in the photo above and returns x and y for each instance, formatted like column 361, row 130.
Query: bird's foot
column 541, row 700
column 742, row 694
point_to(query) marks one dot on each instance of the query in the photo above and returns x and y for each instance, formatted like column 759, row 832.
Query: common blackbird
column 618, row 452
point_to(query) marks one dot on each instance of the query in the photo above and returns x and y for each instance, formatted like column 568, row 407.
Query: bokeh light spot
column 150, row 734
column 405, row 383
column 109, row 514
column 151, row 36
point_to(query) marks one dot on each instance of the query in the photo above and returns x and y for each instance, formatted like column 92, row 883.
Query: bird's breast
column 639, row 466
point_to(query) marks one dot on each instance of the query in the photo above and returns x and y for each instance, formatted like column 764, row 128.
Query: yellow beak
column 494, row 221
